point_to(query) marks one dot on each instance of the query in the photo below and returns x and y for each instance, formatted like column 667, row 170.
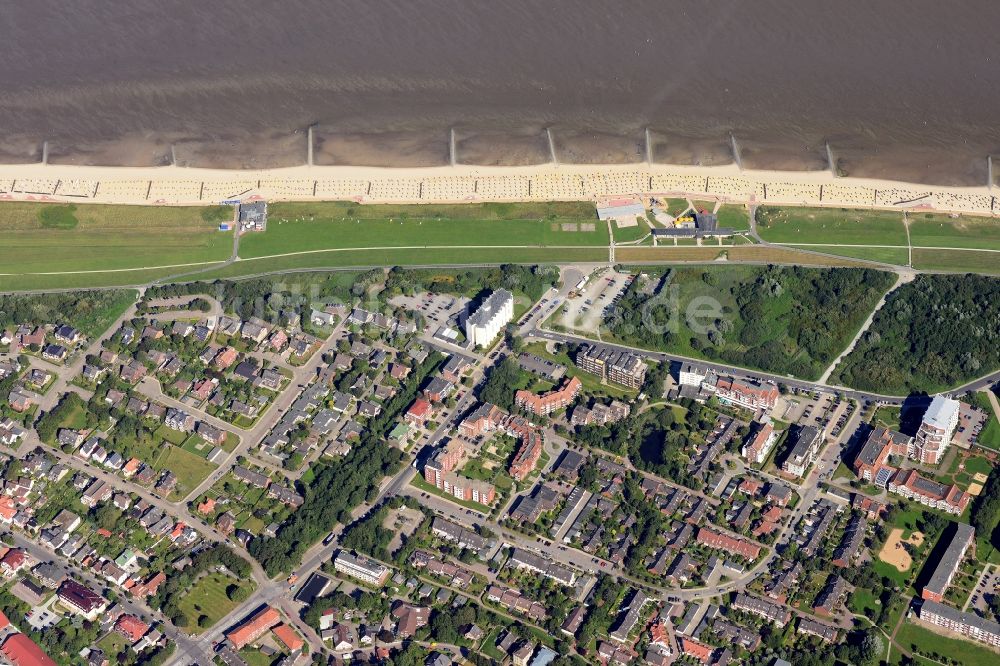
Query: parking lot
column 438, row 309
column 587, row 310
column 988, row 585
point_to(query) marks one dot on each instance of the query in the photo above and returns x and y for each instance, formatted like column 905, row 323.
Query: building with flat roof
column 625, row 210
column 702, row 224
column 252, row 215
column 618, row 366
column 362, row 568
column 483, row 325
column 936, row 430
column 966, row 624
column 946, row 567
column 808, row 442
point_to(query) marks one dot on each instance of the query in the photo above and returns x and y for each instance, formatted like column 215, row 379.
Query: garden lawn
column 862, row 599
column 55, row 238
column 208, row 597
column 732, row 216
column 419, row 483
column 788, row 224
column 189, row 468
column 630, row 234
column 299, row 227
column 967, row 653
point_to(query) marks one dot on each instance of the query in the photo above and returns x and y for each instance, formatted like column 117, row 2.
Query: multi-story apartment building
column 692, row 374
column 748, row 393
column 483, row 325
column 936, row 429
column 872, row 461
column 439, row 472
column 772, row 612
column 617, row 366
column 911, row 485
column 946, row 567
column 808, row 442
column 469, row 490
column 759, row 443
column 362, row 568
column 966, row 624
column 549, row 402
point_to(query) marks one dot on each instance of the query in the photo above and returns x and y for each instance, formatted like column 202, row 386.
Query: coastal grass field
column 306, row 227
column 741, row 253
column 830, row 226
column 40, row 238
column 406, row 257
column 963, row 231
column 884, row 255
column 64, row 246
column 956, row 261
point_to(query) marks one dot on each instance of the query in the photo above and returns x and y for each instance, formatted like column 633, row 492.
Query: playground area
column 895, row 553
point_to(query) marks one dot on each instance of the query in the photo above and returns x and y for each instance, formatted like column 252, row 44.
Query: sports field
column 40, row 238
column 299, row 227
column 832, row 226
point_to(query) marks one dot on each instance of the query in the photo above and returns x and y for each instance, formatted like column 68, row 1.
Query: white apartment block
column 483, row 325
column 936, row 430
column 362, row 568
column 760, row 443
column 966, row 624
column 691, row 374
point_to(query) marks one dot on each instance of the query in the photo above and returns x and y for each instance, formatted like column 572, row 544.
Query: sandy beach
column 172, row 185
